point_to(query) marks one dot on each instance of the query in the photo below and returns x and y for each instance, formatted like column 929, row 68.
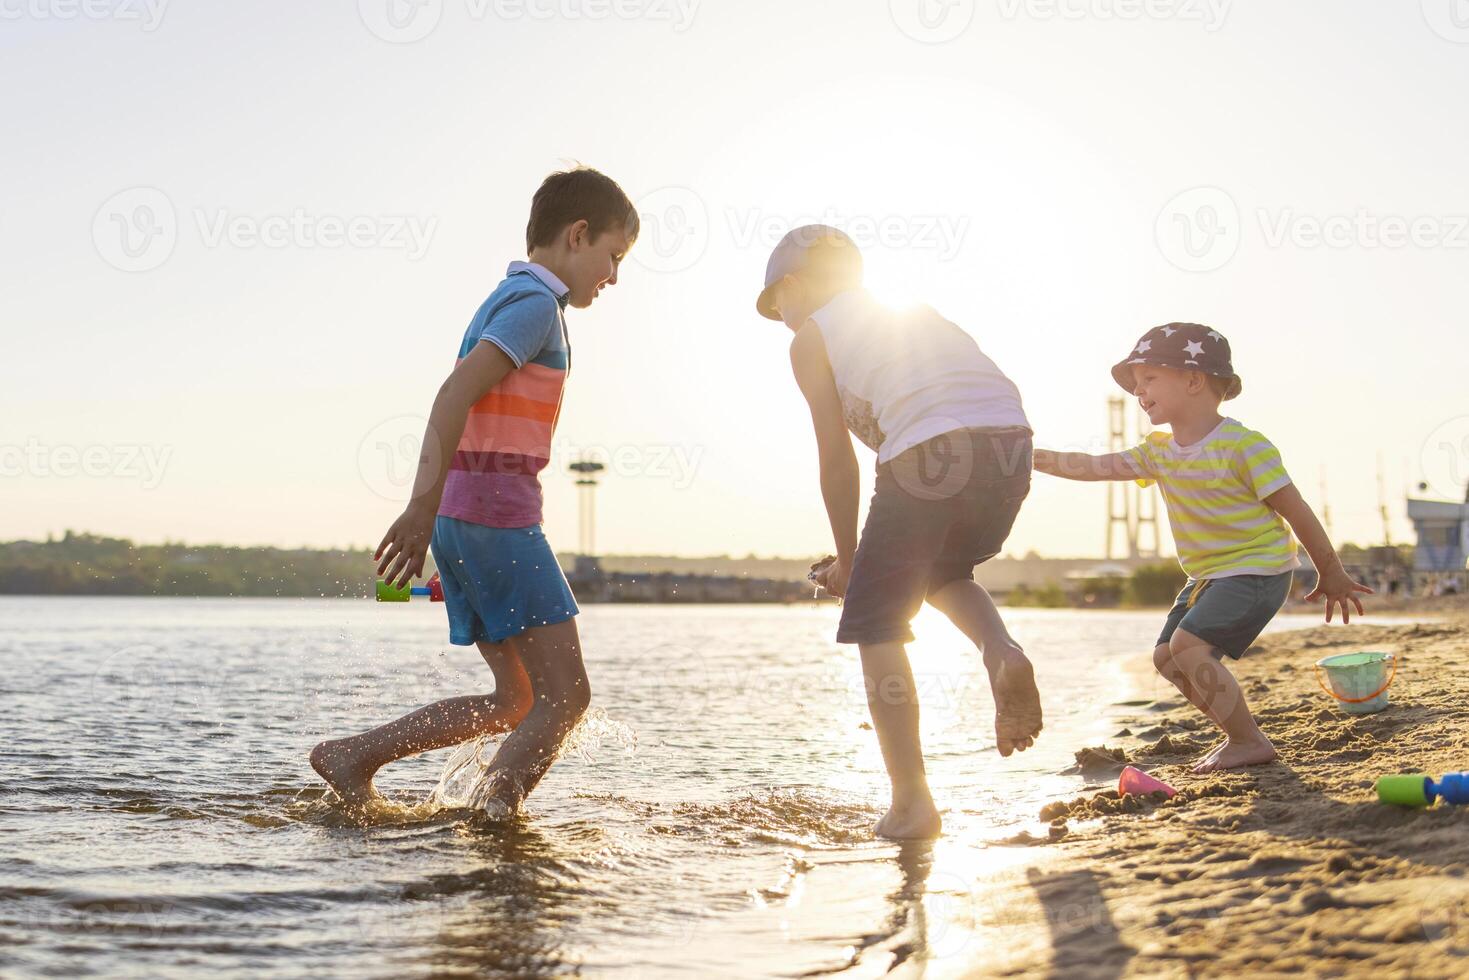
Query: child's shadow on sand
column 1084, row 939
column 1287, row 805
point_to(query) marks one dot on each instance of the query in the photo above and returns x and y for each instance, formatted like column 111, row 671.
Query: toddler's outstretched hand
column 1338, row 588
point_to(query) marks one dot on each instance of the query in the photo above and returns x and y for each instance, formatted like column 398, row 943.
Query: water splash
column 597, row 729
column 463, row 783
column 464, row 772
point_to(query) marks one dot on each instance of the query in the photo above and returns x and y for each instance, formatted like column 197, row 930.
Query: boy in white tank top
column 954, row 457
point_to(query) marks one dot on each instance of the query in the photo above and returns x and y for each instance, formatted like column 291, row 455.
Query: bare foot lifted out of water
column 1017, row 702
column 1237, row 755
column 918, row 821
column 334, row 762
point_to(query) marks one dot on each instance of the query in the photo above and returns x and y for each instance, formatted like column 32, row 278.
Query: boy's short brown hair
column 1223, row 388
column 569, row 196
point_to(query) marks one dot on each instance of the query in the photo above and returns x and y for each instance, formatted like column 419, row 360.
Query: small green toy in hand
column 388, row 592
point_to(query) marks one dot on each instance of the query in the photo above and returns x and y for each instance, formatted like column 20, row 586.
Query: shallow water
column 159, row 818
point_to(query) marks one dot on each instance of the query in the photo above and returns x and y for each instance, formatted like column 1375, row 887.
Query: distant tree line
column 1151, row 585
column 88, row 564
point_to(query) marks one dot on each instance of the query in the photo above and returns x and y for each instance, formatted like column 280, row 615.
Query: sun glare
column 889, row 282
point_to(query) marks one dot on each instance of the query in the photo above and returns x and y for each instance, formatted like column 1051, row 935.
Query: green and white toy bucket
column 1358, row 681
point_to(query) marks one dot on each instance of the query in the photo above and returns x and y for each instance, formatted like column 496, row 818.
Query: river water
column 712, row 818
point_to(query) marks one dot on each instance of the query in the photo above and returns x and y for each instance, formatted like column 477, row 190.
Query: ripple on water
column 173, row 818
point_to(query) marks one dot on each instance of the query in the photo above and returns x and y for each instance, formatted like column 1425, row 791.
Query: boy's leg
column 1220, row 697
column 1012, row 678
column 892, row 698
column 348, row 764
column 562, row 693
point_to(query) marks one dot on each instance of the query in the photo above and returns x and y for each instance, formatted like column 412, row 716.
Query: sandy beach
column 1288, row 868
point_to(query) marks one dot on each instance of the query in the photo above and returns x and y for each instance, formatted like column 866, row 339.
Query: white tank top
column 907, row 376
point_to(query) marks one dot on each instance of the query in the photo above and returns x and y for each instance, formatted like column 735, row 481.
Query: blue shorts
column 1229, row 613
column 498, row 581
column 939, row 509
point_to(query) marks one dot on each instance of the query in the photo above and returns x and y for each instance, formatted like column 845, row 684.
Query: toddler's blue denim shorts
column 498, row 581
column 939, row 509
column 1229, row 613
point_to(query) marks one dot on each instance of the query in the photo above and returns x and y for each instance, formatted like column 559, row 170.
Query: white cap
column 789, row 257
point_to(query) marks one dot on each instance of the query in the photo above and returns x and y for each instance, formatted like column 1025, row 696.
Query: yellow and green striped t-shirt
column 1214, row 491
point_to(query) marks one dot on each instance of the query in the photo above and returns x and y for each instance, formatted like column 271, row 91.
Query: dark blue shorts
column 498, row 581
column 1229, row 613
column 939, row 509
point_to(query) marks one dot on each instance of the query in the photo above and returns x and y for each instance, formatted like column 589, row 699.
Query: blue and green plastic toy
column 1420, row 790
column 388, row 592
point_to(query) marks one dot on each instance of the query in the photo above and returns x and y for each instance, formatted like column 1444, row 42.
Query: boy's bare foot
column 1017, row 702
column 912, row 821
column 334, row 762
column 487, row 798
column 1237, row 755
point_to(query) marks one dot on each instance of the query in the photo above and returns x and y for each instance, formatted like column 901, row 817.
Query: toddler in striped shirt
column 1232, row 508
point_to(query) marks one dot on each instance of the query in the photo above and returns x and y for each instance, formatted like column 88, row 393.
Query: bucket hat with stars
column 1185, row 346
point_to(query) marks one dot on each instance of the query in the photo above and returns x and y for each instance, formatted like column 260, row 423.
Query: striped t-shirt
column 1215, row 492
column 493, row 479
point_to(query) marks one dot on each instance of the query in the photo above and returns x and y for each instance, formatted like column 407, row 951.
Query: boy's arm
column 404, row 548
column 1084, row 466
column 1332, row 581
column 840, row 484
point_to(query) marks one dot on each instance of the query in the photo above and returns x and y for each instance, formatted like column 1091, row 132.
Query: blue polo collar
column 545, row 275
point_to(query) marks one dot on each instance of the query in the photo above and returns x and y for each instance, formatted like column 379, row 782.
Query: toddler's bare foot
column 918, row 820
column 1237, row 755
column 343, row 772
column 1209, row 755
column 1017, row 702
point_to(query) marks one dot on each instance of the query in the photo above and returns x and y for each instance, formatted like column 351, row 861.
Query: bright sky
column 333, row 198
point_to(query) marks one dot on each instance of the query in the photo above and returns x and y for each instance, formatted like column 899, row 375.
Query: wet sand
column 1287, row 868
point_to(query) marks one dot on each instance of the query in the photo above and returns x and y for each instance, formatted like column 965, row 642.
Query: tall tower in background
column 1132, row 510
column 587, row 471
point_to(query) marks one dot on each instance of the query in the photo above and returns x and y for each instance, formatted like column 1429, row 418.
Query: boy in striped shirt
column 477, row 502
column 1229, row 502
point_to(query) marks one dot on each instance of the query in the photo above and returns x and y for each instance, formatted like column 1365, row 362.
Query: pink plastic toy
column 1138, row 783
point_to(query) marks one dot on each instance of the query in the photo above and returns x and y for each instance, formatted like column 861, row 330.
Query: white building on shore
column 1440, row 558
